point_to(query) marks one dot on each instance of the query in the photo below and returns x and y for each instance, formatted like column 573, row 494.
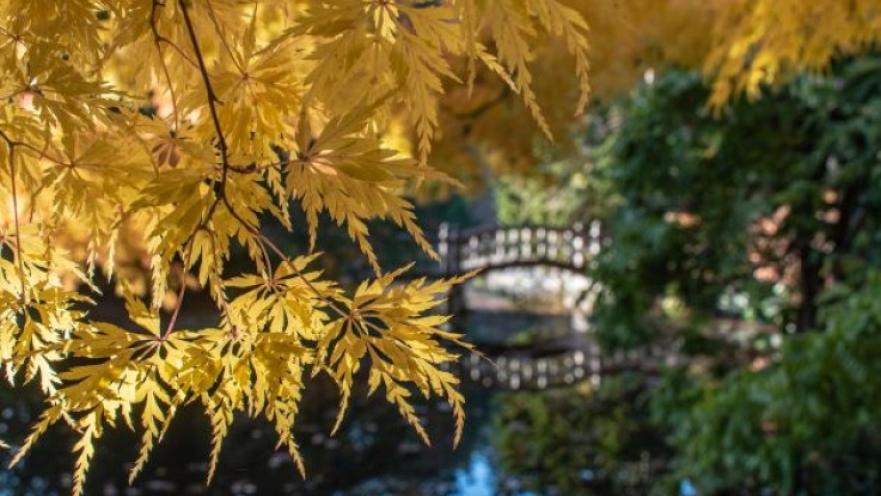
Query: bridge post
column 443, row 247
column 449, row 249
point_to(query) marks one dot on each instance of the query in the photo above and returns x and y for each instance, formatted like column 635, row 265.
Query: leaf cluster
column 165, row 135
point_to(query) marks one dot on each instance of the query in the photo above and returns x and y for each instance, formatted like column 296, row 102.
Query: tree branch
column 209, row 89
column 226, row 166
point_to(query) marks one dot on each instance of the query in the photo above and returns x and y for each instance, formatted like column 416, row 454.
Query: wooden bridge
column 493, row 248
column 500, row 247
column 561, row 361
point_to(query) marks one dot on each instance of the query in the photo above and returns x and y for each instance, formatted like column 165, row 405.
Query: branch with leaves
column 148, row 140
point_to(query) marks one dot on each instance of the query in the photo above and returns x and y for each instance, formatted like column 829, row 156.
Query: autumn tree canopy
column 143, row 141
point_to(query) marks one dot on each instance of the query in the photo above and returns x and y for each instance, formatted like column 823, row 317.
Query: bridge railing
column 500, row 246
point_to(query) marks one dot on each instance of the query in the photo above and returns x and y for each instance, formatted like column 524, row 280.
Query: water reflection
column 525, row 443
column 477, row 478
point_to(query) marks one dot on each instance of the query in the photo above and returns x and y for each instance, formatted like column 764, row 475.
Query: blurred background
column 685, row 302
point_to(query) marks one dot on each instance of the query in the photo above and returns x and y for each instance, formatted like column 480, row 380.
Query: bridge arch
column 501, row 247
column 562, row 361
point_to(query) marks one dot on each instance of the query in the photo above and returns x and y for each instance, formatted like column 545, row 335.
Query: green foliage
column 550, row 198
column 765, row 216
column 808, row 422
column 752, row 237
column 742, row 214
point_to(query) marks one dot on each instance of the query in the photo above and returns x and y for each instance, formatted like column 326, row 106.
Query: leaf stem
column 11, row 144
column 157, row 40
column 181, row 292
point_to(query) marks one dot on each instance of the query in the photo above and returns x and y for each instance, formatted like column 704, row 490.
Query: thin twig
column 222, row 36
column 18, row 253
column 209, row 89
column 181, row 292
column 263, row 239
column 157, row 38
column 225, row 164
